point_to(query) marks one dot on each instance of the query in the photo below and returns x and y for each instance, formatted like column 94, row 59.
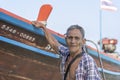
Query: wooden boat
column 26, row 55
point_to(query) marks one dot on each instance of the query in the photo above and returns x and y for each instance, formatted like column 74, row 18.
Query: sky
column 85, row 13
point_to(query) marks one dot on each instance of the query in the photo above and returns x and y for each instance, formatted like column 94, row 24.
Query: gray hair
column 76, row 27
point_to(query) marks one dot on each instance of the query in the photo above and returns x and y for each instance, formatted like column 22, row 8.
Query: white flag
column 108, row 5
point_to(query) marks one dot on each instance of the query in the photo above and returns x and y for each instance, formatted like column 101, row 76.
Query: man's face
column 74, row 41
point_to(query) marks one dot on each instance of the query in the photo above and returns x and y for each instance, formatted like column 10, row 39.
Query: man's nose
column 73, row 40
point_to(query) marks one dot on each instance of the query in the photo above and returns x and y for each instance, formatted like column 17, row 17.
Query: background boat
column 26, row 55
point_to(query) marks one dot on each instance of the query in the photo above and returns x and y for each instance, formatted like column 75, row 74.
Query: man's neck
column 74, row 54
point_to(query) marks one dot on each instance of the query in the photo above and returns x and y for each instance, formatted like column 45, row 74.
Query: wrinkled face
column 74, row 41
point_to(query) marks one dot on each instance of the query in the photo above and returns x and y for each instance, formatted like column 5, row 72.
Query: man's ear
column 65, row 37
column 84, row 41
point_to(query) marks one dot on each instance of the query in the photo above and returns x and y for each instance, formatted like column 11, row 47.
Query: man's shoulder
column 61, row 47
column 63, row 50
column 87, row 57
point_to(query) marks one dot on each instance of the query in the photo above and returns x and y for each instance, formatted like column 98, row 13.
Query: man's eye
column 70, row 37
column 77, row 38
